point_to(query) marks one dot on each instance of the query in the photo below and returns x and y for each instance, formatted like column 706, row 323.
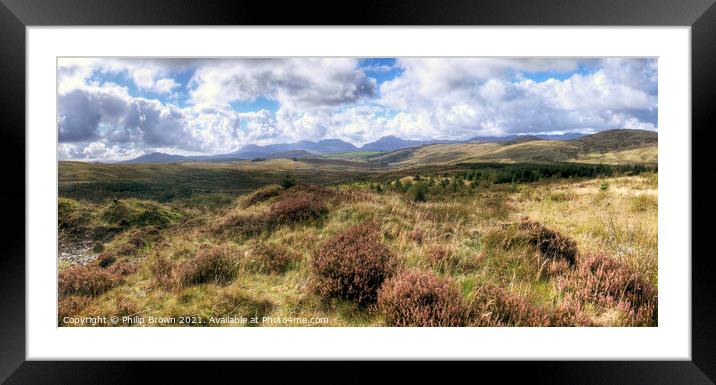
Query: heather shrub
column 106, row 259
column 296, row 209
column 128, row 248
column 70, row 307
column 317, row 193
column 85, row 280
column 353, row 264
column 216, row 265
column 551, row 244
column 122, row 269
column 137, row 241
column 420, row 298
column 609, row 282
column 261, row 195
column 270, row 258
column 243, row 225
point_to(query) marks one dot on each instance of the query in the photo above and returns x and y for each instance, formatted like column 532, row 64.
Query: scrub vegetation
column 459, row 244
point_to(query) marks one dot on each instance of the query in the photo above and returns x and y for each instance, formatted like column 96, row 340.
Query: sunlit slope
column 609, row 147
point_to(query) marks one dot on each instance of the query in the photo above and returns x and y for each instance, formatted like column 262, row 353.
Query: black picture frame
column 16, row 15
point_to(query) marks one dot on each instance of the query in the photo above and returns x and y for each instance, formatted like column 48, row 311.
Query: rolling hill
column 611, row 147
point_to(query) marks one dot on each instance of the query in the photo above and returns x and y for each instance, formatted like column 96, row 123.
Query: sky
column 121, row 108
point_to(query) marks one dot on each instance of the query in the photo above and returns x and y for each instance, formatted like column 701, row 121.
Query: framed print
column 425, row 183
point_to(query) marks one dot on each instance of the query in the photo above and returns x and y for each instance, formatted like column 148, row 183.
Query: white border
column 670, row 340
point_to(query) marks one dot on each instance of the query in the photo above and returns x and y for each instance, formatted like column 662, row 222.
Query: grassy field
column 327, row 242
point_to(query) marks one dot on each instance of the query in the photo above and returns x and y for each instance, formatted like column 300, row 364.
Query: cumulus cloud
column 295, row 83
column 485, row 97
column 120, row 108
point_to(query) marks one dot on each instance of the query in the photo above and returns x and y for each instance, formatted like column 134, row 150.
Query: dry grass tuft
column 644, row 202
column 420, row 298
column 353, row 264
column 494, row 306
column 163, row 270
column 217, row 265
column 270, row 258
column 417, row 236
column 443, row 258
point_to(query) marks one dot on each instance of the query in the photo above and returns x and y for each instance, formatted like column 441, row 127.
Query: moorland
column 524, row 232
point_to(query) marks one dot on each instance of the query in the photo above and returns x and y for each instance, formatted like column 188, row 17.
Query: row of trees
column 418, row 187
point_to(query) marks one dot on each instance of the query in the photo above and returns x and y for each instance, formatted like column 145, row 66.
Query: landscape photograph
column 357, row 192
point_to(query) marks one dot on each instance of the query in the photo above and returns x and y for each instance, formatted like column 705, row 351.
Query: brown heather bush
column 70, row 307
column 261, row 195
column 495, row 306
column 137, row 242
column 87, row 280
column 106, row 259
column 297, row 204
column 269, row 258
column 353, row 264
column 216, row 265
column 420, row 298
column 296, row 209
column 609, row 282
column 244, row 225
column 122, row 269
column 127, row 249
column 317, row 193
column 551, row 244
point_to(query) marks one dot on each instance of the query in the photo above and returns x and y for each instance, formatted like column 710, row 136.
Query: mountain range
column 305, row 148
